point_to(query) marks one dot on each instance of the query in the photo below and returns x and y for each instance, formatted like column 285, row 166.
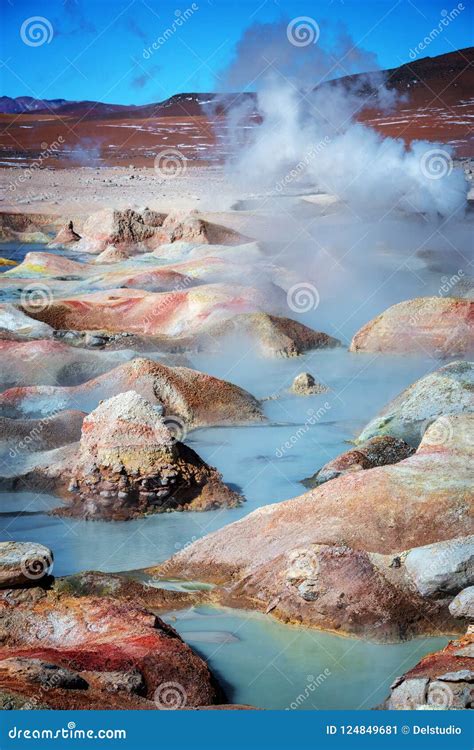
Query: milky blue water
column 266, row 462
column 258, row 660
column 263, row 663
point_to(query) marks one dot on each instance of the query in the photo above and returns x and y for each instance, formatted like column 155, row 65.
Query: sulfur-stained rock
column 87, row 652
column 439, row 326
column 193, row 398
column 129, row 464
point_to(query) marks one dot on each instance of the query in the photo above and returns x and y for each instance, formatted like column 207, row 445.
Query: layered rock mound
column 19, row 436
column 193, row 397
column 129, row 464
column 443, row 680
column 333, row 558
column 449, row 390
column 131, row 229
column 437, row 326
column 95, row 646
column 275, row 336
column 177, row 312
column 378, row 451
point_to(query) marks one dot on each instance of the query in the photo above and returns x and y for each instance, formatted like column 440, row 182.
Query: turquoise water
column 266, row 462
column 292, row 667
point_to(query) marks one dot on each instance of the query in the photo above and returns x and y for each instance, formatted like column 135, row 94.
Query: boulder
column 448, row 390
column 19, row 436
column 66, row 235
column 24, row 563
column 275, row 336
column 125, row 228
column 113, row 254
column 304, row 384
column 442, row 568
column 130, row 464
column 96, row 652
column 437, row 326
column 442, row 680
column 350, row 534
column 192, row 397
column 463, row 604
column 378, row 451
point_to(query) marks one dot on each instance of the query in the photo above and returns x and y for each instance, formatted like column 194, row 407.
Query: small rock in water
column 305, row 385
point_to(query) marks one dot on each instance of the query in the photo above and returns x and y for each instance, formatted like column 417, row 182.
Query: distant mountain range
column 428, row 75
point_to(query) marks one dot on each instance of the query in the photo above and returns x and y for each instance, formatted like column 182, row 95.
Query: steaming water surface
column 267, row 462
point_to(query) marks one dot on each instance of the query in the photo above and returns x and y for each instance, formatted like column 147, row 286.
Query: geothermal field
column 236, row 401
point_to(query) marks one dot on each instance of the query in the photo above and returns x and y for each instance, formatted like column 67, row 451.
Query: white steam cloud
column 312, row 134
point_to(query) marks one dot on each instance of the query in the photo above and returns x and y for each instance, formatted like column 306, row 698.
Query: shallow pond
column 266, row 462
column 292, row 667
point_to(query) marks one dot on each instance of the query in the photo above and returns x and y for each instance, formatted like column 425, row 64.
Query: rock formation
column 130, row 463
column 334, row 557
column 442, row 680
column 443, row 392
column 378, row 451
column 438, row 326
column 304, row 384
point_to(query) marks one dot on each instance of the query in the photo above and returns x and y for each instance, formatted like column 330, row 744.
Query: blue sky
column 97, row 49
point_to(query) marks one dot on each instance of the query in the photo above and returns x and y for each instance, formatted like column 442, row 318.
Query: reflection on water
column 294, row 667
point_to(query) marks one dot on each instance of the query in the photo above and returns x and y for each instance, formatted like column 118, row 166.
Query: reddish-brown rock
column 439, row 326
